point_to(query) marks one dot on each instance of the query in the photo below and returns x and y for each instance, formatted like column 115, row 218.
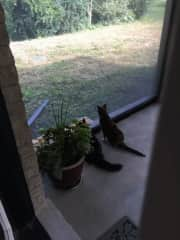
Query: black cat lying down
column 96, row 157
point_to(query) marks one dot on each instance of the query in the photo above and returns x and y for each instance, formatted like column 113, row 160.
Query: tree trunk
column 90, row 8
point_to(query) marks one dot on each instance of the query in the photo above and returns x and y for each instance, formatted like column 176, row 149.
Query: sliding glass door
column 111, row 57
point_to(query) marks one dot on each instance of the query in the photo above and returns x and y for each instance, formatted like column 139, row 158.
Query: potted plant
column 62, row 148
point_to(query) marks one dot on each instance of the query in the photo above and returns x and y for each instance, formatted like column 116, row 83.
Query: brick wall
column 9, row 86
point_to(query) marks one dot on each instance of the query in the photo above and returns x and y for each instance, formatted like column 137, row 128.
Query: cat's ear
column 84, row 121
column 105, row 106
column 98, row 107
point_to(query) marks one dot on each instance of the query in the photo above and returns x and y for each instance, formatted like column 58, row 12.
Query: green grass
column 155, row 11
column 113, row 64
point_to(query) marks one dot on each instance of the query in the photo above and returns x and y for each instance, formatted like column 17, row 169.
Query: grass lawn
column 112, row 64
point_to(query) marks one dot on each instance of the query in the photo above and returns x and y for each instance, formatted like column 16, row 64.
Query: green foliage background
column 28, row 19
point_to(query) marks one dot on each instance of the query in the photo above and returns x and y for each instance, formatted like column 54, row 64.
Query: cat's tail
column 103, row 164
column 111, row 167
column 131, row 150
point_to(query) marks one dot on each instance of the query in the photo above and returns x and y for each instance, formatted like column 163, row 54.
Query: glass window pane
column 91, row 54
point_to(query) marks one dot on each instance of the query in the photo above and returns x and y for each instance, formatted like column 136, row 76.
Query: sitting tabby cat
column 96, row 157
column 110, row 131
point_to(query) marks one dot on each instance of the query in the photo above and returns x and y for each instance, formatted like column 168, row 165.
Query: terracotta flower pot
column 71, row 175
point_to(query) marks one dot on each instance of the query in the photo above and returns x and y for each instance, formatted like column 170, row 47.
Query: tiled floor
column 103, row 198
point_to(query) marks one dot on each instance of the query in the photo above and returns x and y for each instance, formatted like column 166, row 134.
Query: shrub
column 18, row 19
column 47, row 15
column 75, row 15
column 33, row 18
column 111, row 11
column 138, row 7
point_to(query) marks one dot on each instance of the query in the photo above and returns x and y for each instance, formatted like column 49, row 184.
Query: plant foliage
column 64, row 144
column 138, row 7
column 37, row 18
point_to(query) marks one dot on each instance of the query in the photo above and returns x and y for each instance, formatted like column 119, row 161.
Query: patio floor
column 103, row 198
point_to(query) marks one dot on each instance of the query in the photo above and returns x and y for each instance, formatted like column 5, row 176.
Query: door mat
column 124, row 229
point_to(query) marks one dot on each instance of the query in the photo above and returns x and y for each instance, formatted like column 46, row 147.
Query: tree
column 75, row 17
column 8, row 8
column 90, row 9
column 138, row 7
column 109, row 11
column 47, row 16
column 22, row 20
column 33, row 18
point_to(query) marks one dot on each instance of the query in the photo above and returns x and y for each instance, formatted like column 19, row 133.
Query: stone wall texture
column 10, row 88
